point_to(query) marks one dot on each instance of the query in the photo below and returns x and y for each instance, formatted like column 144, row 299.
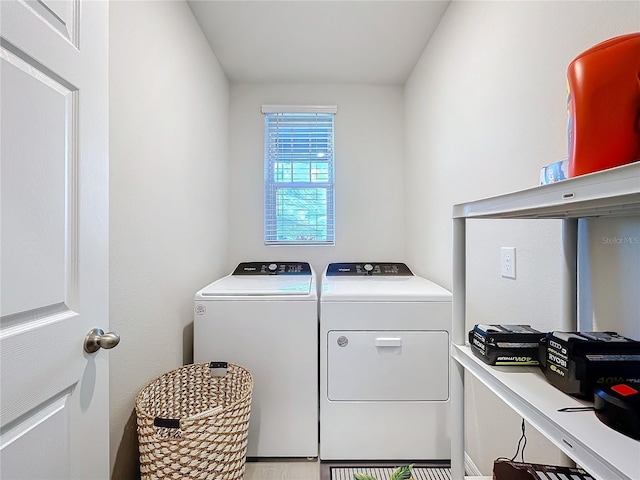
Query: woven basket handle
column 218, row 369
column 166, row 422
column 166, row 428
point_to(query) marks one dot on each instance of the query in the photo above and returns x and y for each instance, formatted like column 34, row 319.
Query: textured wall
column 369, row 170
column 485, row 108
column 169, row 142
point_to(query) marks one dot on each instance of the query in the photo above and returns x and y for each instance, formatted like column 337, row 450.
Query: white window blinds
column 298, row 166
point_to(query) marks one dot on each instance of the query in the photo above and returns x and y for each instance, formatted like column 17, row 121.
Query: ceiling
column 376, row 42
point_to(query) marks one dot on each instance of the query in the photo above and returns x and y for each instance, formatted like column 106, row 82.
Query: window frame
column 273, row 186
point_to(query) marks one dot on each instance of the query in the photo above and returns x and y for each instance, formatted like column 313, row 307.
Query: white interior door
column 54, row 239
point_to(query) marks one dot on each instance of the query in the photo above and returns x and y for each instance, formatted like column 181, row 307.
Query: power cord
column 522, row 444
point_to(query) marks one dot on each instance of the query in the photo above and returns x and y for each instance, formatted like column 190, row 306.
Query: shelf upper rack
column 612, row 192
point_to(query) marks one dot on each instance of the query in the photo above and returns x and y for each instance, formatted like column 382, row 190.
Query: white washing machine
column 264, row 316
column 384, row 364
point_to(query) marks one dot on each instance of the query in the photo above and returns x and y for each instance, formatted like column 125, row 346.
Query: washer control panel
column 273, row 268
column 371, row 269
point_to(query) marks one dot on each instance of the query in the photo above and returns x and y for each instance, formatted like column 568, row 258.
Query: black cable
column 577, row 409
column 523, row 440
column 522, row 444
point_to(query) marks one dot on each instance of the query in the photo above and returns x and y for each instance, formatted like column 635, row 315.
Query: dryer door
column 387, row 365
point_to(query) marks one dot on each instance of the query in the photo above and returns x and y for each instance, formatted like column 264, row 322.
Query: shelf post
column 458, row 337
column 569, row 274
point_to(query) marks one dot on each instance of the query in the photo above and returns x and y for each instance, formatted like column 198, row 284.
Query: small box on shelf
column 554, row 172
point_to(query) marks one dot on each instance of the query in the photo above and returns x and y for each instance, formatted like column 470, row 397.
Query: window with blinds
column 298, row 175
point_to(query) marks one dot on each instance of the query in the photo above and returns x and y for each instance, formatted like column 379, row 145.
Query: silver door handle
column 97, row 339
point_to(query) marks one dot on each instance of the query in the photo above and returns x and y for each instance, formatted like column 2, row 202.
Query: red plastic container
column 604, row 106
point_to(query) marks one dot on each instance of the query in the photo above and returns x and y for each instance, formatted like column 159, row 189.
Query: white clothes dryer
column 384, row 364
column 264, row 316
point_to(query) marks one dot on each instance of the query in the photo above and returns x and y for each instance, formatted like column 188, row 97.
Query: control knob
column 273, row 267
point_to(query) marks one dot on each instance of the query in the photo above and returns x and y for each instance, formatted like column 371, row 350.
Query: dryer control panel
column 273, row 268
column 371, row 269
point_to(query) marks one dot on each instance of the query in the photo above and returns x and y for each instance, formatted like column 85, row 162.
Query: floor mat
column 383, row 473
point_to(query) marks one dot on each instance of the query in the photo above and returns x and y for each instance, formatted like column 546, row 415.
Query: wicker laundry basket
column 193, row 423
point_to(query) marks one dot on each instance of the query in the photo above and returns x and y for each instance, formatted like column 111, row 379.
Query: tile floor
column 301, row 469
column 278, row 470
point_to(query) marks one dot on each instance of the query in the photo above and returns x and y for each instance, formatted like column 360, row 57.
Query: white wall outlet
column 508, row 262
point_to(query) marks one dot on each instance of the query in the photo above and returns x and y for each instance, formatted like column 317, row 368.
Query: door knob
column 97, row 339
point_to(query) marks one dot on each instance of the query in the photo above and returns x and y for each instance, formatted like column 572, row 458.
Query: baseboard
column 470, row 467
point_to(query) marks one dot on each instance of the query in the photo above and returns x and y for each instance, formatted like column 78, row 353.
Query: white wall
column 482, row 112
column 609, row 276
column 485, row 108
column 369, row 173
column 169, row 143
